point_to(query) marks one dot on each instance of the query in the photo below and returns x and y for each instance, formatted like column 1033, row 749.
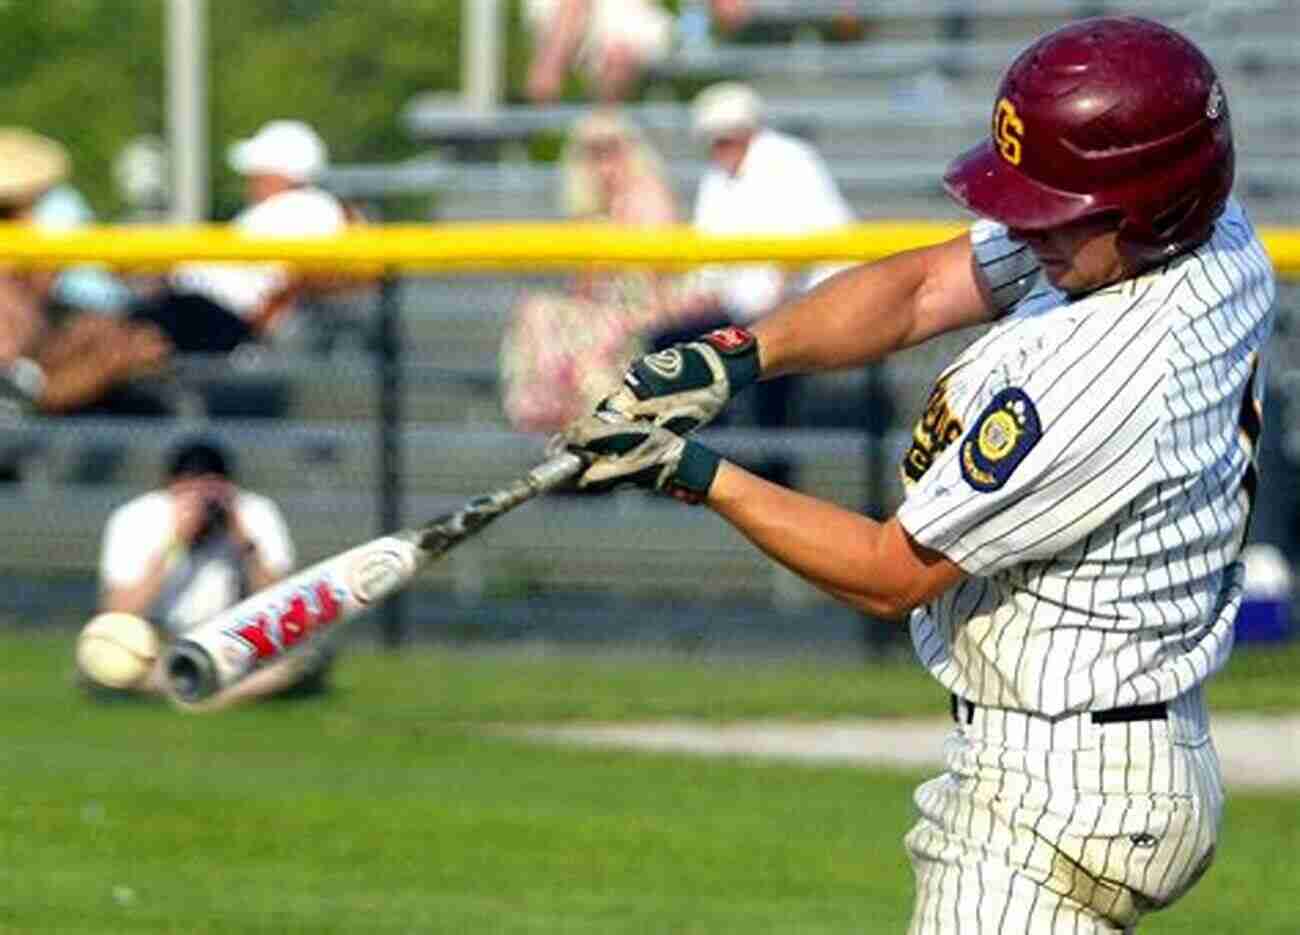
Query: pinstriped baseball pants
column 1065, row 826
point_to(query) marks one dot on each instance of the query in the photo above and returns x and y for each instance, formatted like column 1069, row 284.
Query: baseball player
column 1077, row 489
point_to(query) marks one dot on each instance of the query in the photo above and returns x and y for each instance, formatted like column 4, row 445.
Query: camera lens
column 214, row 516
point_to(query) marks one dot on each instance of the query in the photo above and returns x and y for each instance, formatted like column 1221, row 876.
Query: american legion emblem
column 1005, row 432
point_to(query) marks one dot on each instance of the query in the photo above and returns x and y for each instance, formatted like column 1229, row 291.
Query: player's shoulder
column 1047, row 334
column 1007, row 267
column 1234, row 251
column 1229, row 276
column 1233, row 227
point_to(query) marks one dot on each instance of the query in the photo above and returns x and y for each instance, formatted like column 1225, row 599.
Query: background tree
column 90, row 73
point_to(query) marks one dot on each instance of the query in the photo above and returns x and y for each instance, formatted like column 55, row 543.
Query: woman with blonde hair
column 563, row 352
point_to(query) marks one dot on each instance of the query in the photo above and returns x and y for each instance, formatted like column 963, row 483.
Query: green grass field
column 388, row 807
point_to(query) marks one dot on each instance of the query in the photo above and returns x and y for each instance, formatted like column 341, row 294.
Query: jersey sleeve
column 1058, row 439
column 1008, row 266
column 268, row 530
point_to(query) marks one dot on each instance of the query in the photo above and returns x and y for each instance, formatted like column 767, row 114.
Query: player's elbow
column 896, row 608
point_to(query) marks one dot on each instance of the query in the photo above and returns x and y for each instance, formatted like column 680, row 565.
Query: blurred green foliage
column 90, row 73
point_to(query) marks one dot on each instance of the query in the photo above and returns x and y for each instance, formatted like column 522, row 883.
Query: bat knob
column 191, row 673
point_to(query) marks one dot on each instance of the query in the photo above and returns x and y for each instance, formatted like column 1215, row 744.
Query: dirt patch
column 1256, row 750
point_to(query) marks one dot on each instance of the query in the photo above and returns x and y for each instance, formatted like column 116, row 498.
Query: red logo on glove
column 730, row 340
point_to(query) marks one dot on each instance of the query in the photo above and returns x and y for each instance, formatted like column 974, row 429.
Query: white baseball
column 117, row 649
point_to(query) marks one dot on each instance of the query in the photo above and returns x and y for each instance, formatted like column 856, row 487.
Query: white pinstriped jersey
column 1089, row 463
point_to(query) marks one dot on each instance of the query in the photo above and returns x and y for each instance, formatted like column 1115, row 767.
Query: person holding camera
column 177, row 555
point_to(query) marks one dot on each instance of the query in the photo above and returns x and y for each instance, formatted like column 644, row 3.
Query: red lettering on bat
column 256, row 634
column 295, row 621
column 326, row 602
column 309, row 609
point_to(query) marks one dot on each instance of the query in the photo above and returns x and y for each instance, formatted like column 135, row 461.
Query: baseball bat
column 265, row 626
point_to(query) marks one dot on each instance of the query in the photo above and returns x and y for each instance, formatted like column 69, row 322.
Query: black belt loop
column 1138, row 712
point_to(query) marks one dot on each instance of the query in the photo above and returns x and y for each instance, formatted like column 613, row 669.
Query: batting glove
column 687, row 385
column 622, row 453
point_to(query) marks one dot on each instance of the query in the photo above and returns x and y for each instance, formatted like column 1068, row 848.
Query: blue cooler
column 1265, row 615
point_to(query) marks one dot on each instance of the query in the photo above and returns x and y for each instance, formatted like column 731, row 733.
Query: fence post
column 389, row 350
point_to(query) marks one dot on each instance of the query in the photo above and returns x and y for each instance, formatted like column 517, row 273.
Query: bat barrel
column 265, row 626
column 191, row 673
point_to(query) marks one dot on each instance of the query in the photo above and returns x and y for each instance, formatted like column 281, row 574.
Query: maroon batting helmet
column 1111, row 114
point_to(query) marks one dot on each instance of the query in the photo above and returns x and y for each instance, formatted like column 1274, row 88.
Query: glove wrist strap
column 695, row 472
column 738, row 350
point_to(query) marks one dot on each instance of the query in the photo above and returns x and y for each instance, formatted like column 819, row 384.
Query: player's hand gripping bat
column 265, row 626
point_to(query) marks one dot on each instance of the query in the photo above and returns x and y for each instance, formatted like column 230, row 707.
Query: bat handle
column 553, row 472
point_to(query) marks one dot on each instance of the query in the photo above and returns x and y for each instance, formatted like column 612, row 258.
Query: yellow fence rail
column 490, row 246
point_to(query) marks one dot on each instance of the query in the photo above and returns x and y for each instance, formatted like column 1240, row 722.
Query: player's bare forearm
column 873, row 566
column 866, row 313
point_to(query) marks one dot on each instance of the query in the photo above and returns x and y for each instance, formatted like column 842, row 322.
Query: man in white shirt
column 182, row 553
column 761, row 181
column 218, row 306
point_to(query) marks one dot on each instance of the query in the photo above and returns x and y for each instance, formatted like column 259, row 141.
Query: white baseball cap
column 725, row 108
column 282, row 147
column 29, row 164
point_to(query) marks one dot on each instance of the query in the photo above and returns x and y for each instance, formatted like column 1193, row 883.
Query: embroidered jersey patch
column 937, row 428
column 1004, row 433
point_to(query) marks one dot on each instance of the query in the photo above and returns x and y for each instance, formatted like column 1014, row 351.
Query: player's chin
column 1057, row 272
column 1065, row 278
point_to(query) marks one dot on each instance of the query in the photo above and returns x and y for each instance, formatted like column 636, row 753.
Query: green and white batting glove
column 686, row 385
column 623, row 453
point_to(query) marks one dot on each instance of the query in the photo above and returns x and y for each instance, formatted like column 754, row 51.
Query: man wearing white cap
column 217, row 307
column 761, row 181
column 63, row 346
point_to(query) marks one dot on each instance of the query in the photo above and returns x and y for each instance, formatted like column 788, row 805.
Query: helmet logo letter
column 1008, row 131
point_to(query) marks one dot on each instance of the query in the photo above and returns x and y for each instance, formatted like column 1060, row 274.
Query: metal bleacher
column 887, row 110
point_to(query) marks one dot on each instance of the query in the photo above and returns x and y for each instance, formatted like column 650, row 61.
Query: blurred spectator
column 216, row 307
column 64, row 346
column 182, row 553
column 141, row 171
column 612, row 41
column 564, row 351
column 761, row 181
column 731, row 15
